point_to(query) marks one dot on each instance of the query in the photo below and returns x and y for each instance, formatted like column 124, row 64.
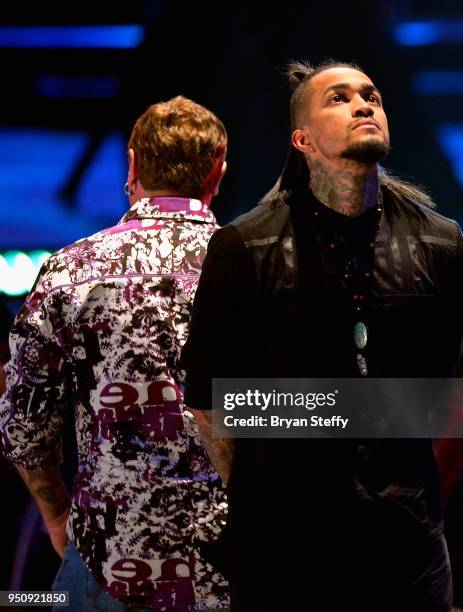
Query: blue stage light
column 35, row 164
column 450, row 136
column 421, row 33
column 53, row 86
column 438, row 82
column 70, row 37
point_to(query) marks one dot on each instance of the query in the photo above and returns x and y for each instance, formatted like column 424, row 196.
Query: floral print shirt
column 102, row 331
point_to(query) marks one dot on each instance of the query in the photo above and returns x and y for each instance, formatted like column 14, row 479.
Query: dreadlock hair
column 295, row 176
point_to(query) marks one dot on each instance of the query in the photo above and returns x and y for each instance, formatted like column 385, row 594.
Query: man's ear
column 212, row 183
column 223, row 169
column 302, row 141
column 133, row 170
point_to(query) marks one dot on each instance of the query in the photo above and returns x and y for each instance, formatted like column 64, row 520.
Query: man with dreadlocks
column 342, row 271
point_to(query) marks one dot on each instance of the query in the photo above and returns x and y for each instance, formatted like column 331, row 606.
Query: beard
column 368, row 151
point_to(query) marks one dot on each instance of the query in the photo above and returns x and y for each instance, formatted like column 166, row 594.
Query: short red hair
column 177, row 144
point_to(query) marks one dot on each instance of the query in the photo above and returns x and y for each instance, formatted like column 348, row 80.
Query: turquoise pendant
column 360, row 335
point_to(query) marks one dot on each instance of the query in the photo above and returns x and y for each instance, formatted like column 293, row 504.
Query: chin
column 368, row 151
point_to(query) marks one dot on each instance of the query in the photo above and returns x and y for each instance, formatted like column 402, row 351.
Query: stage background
column 74, row 78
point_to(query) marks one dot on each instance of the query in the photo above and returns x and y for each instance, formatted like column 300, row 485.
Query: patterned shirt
column 102, row 330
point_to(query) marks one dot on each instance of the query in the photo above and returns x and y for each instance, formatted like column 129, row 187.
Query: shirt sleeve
column 220, row 342
column 32, row 407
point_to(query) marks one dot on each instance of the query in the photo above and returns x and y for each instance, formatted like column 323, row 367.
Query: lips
column 366, row 122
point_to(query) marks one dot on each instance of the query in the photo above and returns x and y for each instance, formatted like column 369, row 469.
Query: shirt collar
column 167, row 207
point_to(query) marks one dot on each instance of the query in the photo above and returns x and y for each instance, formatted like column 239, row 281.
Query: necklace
column 355, row 277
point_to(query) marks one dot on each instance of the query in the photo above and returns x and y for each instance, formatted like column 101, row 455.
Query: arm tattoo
column 47, row 493
column 48, row 489
column 220, row 450
column 36, row 474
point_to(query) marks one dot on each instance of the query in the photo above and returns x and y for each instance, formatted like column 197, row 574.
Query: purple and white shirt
column 102, row 331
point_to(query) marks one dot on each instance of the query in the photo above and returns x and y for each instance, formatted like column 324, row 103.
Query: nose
column 361, row 108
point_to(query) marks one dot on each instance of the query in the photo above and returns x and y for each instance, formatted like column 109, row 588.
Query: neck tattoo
column 344, row 191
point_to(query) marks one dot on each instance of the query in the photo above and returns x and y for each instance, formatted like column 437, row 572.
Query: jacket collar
column 167, row 207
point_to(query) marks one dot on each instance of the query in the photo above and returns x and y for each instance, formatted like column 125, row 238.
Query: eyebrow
column 365, row 88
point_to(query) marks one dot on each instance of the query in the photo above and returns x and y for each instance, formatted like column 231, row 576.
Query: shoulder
column 60, row 267
column 264, row 221
column 436, row 220
column 77, row 261
column 423, row 218
column 267, row 219
column 226, row 244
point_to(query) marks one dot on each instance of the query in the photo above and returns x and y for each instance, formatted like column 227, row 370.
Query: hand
column 57, row 531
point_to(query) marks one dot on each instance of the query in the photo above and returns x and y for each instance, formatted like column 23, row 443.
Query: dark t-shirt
column 317, row 520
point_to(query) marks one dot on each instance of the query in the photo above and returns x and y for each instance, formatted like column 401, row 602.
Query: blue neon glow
column 450, row 136
column 34, row 165
column 71, row 37
column 101, row 194
column 421, row 33
column 54, row 86
column 438, row 82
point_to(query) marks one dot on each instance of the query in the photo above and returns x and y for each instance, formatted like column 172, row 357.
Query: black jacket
column 327, row 524
column 417, row 288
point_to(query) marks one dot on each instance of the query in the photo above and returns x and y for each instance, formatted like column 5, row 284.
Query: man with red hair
column 101, row 332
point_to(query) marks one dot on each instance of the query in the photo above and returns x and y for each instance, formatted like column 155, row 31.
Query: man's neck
column 161, row 193
column 347, row 187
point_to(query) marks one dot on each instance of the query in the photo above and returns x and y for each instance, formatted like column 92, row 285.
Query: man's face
column 344, row 117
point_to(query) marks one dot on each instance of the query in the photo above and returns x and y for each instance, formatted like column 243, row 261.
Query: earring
column 127, row 189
